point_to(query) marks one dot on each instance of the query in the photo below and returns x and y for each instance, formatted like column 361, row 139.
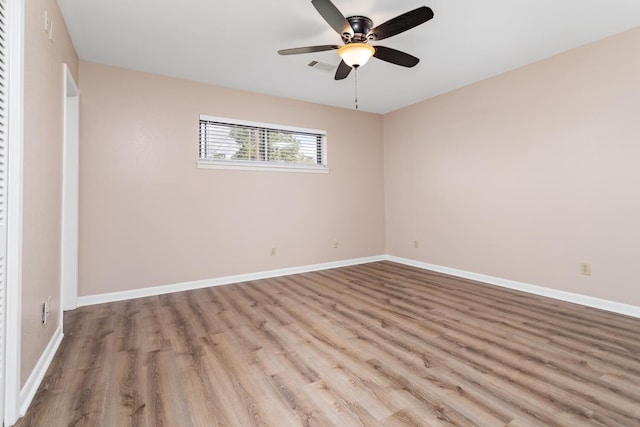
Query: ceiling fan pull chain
column 356, row 74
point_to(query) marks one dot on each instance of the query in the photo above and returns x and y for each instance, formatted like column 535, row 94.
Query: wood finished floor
column 371, row 345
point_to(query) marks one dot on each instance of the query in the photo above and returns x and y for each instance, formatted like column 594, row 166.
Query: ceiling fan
column 357, row 31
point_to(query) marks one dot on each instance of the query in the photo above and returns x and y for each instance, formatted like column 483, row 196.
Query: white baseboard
column 37, row 375
column 588, row 301
column 227, row 280
column 615, row 307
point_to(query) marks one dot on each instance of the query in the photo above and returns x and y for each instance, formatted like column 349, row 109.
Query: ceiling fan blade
column 395, row 56
column 343, row 71
column 333, row 16
column 402, row 23
column 308, row 49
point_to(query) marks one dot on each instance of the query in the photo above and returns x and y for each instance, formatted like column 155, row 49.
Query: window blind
column 226, row 141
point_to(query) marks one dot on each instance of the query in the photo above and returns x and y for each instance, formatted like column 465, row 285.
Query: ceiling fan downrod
column 355, row 71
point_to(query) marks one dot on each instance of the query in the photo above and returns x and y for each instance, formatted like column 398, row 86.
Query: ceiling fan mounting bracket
column 361, row 26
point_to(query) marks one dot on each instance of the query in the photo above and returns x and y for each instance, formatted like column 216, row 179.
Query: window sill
column 261, row 167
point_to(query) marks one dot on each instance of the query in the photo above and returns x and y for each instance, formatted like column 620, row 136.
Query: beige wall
column 149, row 217
column 42, row 174
column 525, row 175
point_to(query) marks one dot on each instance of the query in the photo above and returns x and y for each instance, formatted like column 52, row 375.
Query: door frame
column 70, row 195
column 15, row 169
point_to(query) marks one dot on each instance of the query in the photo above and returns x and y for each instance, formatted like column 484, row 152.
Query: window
column 234, row 144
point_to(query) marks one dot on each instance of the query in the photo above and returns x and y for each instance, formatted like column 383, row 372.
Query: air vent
column 322, row 66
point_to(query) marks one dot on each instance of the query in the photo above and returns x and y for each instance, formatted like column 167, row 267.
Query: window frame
column 257, row 165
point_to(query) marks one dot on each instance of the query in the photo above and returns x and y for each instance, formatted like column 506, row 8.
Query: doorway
column 70, row 196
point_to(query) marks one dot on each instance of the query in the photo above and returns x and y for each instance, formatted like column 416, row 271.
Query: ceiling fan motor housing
column 361, row 26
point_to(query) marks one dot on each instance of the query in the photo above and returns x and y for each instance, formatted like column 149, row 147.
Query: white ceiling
column 234, row 43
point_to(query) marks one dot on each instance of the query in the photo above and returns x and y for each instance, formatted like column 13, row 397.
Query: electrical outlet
column 416, row 244
column 335, row 243
column 585, row 269
column 273, row 251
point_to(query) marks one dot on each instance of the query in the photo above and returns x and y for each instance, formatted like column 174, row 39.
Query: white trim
column 227, row 280
column 70, row 194
column 588, row 301
column 260, row 166
column 37, row 375
column 602, row 304
column 15, row 208
column 585, row 300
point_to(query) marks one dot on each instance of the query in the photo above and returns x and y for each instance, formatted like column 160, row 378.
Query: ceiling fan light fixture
column 356, row 54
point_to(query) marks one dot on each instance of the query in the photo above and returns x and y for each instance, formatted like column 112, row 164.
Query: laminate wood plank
column 397, row 357
column 378, row 344
column 496, row 297
column 626, row 353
